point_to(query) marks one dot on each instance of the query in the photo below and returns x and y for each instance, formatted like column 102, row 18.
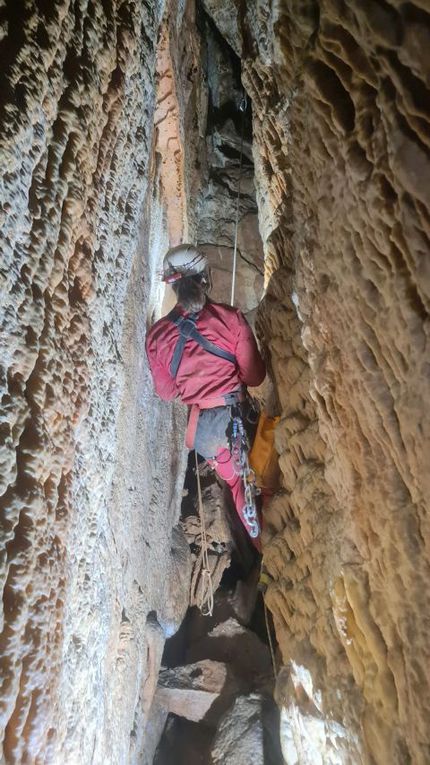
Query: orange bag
column 263, row 457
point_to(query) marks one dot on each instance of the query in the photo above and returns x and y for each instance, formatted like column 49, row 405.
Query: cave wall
column 88, row 494
column 107, row 155
column 341, row 106
column 226, row 167
column 104, row 164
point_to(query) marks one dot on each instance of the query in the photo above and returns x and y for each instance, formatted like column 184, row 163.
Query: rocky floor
column 215, row 688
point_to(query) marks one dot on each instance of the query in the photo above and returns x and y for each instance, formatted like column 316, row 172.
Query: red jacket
column 201, row 374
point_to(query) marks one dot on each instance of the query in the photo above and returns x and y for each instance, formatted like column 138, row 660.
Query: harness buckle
column 186, row 327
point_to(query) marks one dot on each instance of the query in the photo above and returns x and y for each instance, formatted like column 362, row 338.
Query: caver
column 205, row 353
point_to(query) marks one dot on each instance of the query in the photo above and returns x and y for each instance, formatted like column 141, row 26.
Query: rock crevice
column 121, row 134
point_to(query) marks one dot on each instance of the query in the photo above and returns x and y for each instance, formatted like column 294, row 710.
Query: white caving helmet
column 183, row 260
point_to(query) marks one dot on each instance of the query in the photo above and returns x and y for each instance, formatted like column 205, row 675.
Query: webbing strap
column 188, row 331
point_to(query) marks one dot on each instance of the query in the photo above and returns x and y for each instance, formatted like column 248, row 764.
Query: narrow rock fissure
column 120, row 138
column 216, row 672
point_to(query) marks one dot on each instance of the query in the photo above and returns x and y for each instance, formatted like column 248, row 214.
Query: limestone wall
column 91, row 464
column 341, row 107
column 226, row 166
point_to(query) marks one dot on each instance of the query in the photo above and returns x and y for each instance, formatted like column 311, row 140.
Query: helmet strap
column 170, row 278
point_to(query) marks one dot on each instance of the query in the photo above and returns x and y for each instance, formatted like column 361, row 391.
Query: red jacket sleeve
column 252, row 370
column 164, row 384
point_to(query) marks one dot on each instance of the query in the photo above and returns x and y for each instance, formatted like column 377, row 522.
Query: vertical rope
column 242, row 108
column 206, row 600
column 269, row 636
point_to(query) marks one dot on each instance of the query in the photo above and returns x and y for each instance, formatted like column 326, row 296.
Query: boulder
column 190, row 691
column 236, row 645
column 248, row 733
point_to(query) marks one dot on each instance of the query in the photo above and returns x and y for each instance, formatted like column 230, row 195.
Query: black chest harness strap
column 188, row 331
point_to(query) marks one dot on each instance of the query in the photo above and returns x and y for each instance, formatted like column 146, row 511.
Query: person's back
column 202, row 375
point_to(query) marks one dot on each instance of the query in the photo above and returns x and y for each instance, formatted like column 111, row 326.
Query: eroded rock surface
column 92, row 463
column 104, row 124
column 87, row 504
column 341, row 113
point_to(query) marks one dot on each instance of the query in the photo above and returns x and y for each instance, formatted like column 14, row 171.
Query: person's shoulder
column 223, row 309
column 160, row 327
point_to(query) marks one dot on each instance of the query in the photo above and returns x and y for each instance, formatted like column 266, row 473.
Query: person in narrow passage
column 205, row 353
